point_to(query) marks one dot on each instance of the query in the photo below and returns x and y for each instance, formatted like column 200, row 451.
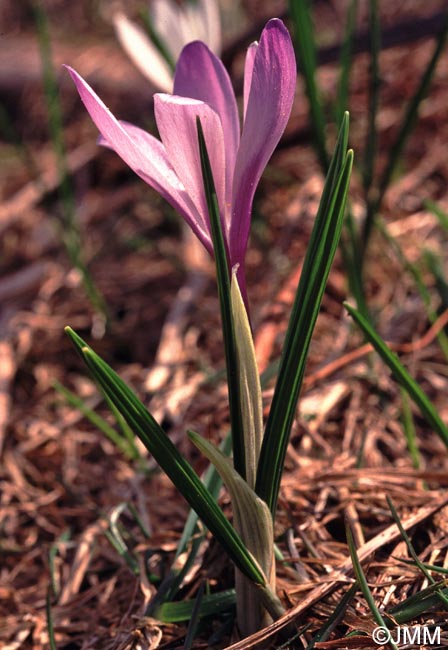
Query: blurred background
column 85, row 243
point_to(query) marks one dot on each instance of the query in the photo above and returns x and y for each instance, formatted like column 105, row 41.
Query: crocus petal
column 144, row 154
column 143, row 53
column 201, row 22
column 268, row 109
column 168, row 25
column 201, row 75
column 212, row 20
column 176, row 121
column 191, row 23
column 178, row 25
column 248, row 67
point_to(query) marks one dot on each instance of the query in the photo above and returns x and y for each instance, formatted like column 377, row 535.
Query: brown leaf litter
column 63, row 482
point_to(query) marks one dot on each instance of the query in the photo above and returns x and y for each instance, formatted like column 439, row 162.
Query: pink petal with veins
column 144, row 154
column 272, row 88
column 248, row 67
column 201, row 75
column 176, row 121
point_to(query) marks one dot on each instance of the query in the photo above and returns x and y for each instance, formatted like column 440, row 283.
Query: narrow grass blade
column 50, row 626
column 52, row 553
column 345, row 61
column 401, row 375
column 213, row 483
column 374, row 93
column 127, row 447
column 192, row 537
column 116, row 539
column 194, row 620
column 407, row 124
column 318, row 260
column 353, row 263
column 70, row 231
column 249, row 383
column 55, row 122
column 430, row 567
column 251, row 515
column 413, row 107
column 335, row 618
column 223, row 280
column 420, row 603
column 435, row 265
column 170, row 460
column 362, row 582
column 138, row 520
column 437, row 211
column 409, row 429
column 124, row 428
column 413, row 554
column 370, row 151
column 419, row 280
column 211, row 605
column 306, row 56
column 253, row 521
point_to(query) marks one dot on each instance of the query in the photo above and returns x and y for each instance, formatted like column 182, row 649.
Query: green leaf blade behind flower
column 307, row 63
column 316, row 268
column 223, row 281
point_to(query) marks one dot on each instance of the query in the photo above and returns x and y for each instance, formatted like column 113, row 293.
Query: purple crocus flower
column 202, row 88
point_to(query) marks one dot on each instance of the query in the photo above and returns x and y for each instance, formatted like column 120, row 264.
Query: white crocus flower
column 176, row 25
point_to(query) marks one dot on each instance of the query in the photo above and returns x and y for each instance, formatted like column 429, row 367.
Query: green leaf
column 194, row 620
column 345, row 61
column 318, row 260
column 126, row 446
column 211, row 605
column 401, row 375
column 115, row 538
column 437, row 211
column 52, row 553
column 436, row 264
column 334, row 619
column 249, row 383
column 353, row 262
column 306, row 55
column 191, row 539
column 213, row 483
column 374, row 96
column 252, row 518
column 420, row 603
column 362, row 582
column 50, row 624
column 442, row 597
column 409, row 429
column 253, row 521
column 406, row 126
column 170, row 460
column 223, row 280
column 419, row 279
column 70, row 232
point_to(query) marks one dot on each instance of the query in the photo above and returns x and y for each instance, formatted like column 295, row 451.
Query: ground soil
column 63, row 482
